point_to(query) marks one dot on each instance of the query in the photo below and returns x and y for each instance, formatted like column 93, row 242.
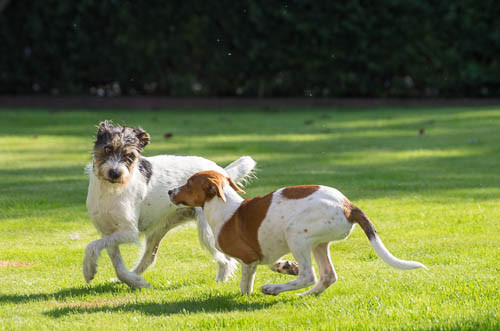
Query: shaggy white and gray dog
column 127, row 196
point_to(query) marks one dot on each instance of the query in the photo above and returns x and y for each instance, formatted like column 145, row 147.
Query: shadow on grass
column 212, row 304
column 62, row 294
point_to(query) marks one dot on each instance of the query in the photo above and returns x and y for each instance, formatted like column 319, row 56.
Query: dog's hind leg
column 327, row 274
column 227, row 265
column 301, row 250
column 151, row 249
column 154, row 238
column 123, row 274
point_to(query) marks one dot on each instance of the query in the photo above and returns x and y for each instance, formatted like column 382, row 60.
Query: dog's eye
column 107, row 149
column 188, row 185
column 129, row 158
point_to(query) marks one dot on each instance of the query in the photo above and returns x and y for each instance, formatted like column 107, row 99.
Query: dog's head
column 116, row 151
column 202, row 187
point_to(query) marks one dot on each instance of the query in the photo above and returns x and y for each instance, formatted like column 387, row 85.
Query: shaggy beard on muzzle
column 105, row 167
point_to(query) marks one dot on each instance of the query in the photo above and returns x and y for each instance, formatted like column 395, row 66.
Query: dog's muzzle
column 171, row 194
column 114, row 174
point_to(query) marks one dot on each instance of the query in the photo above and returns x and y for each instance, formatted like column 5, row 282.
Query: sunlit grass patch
column 433, row 197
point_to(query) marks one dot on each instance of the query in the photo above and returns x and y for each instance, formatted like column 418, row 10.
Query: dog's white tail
column 241, row 170
column 358, row 216
column 390, row 259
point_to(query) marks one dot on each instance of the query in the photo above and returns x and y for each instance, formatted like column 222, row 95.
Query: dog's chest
column 112, row 210
column 111, row 214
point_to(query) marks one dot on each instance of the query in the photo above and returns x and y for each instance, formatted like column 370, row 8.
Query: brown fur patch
column 356, row 215
column 12, row 264
column 299, row 192
column 239, row 236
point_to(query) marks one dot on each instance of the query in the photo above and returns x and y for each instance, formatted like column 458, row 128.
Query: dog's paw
column 226, row 269
column 271, row 289
column 90, row 262
column 140, row 284
column 89, row 269
column 134, row 281
column 286, row 267
column 143, row 284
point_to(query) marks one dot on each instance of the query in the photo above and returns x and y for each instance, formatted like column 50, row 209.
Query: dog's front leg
column 123, row 274
column 247, row 277
column 92, row 253
column 227, row 265
column 93, row 250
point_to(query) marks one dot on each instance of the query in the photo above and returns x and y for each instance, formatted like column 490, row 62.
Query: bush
column 379, row 48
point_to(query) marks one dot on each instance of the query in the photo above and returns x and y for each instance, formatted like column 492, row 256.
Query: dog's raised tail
column 241, row 170
column 356, row 215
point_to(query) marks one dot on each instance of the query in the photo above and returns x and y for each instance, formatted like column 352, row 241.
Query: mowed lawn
column 434, row 198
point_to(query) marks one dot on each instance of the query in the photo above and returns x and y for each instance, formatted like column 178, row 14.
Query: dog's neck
column 219, row 212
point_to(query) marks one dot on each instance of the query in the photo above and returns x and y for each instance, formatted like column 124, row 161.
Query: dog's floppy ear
column 143, row 136
column 215, row 188
column 235, row 186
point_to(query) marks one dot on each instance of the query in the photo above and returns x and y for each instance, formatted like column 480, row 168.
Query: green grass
column 433, row 198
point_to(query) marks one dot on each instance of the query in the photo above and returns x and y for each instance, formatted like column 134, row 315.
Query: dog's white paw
column 89, row 264
column 140, row 284
column 89, row 270
column 133, row 280
column 286, row 267
column 271, row 289
column 226, row 269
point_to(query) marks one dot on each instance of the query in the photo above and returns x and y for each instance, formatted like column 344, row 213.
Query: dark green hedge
column 221, row 48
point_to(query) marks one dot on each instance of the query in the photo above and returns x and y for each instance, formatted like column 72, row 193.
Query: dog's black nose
column 113, row 174
column 170, row 192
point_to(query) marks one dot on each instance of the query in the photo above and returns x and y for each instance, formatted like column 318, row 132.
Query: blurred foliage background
column 320, row 48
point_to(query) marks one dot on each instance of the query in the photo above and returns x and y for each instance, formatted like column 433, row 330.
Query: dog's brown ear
column 215, row 188
column 143, row 136
column 235, row 186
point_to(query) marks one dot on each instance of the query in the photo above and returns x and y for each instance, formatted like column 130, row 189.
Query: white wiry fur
column 241, row 170
column 121, row 212
column 299, row 226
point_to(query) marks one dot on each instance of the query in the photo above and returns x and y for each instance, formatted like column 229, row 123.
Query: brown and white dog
column 297, row 219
